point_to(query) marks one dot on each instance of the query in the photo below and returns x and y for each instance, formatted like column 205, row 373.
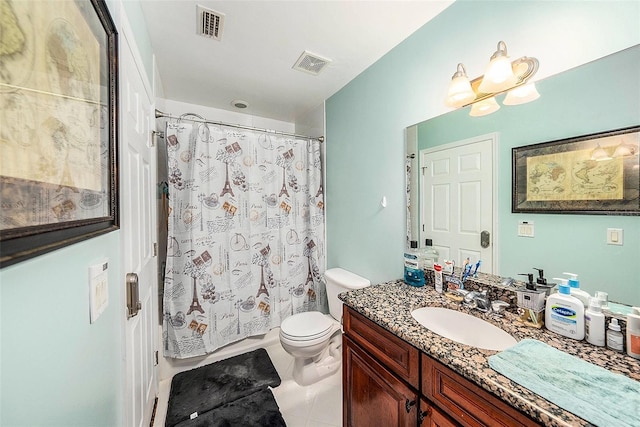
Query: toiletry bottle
column 594, row 323
column 413, row 268
column 574, row 284
column 438, row 274
column 430, row 254
column 614, row 336
column 633, row 333
column 564, row 314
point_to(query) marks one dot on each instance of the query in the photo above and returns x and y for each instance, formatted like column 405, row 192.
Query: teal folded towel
column 593, row 393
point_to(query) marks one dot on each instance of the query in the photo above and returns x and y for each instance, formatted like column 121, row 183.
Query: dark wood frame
column 629, row 205
column 18, row 244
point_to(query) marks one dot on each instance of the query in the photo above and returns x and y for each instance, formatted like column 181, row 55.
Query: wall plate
column 525, row 229
column 614, row 236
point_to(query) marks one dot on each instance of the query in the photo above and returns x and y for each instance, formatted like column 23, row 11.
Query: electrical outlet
column 614, row 236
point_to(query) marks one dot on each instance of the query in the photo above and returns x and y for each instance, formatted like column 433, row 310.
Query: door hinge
column 155, row 249
column 156, row 359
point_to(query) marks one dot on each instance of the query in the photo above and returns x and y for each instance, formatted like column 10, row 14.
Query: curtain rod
column 160, row 114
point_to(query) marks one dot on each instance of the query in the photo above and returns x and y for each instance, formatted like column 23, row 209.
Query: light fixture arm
column 501, row 50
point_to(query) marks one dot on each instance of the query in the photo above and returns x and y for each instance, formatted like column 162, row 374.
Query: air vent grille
column 210, row 23
column 311, row 63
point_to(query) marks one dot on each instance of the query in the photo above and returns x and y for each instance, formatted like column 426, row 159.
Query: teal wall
column 139, row 28
column 591, row 98
column 57, row 368
column 366, row 119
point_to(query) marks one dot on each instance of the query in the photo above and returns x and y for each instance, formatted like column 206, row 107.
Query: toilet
column 314, row 339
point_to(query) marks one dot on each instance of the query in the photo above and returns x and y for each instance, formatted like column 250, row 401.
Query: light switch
column 525, row 229
column 98, row 289
column 614, row 236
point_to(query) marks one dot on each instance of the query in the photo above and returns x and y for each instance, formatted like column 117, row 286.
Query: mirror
column 591, row 98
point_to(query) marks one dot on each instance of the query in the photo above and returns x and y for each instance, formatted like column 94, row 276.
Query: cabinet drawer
column 397, row 355
column 466, row 402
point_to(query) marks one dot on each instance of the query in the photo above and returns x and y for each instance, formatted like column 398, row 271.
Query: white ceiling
column 262, row 40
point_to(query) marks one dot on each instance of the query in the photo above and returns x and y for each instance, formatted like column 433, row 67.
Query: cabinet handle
column 422, row 415
column 408, row 404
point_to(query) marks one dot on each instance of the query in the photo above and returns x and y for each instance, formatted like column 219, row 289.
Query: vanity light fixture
column 502, row 75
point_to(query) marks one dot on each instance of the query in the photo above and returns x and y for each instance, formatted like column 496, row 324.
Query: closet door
column 138, row 225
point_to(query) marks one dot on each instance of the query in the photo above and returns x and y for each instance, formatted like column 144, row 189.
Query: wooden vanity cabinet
column 387, row 382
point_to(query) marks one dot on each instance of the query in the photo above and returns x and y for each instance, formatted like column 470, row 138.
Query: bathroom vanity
column 398, row 373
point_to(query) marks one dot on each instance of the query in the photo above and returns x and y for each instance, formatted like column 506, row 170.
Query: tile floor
column 316, row 405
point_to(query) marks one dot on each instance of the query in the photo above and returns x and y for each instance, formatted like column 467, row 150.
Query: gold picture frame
column 58, row 126
column 590, row 174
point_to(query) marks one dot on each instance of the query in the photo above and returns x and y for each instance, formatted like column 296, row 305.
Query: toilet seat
column 306, row 326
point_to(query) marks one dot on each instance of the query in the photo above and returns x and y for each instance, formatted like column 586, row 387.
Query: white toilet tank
column 339, row 280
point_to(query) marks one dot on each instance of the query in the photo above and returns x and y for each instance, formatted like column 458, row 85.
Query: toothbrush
column 463, row 272
column 467, row 272
column 475, row 272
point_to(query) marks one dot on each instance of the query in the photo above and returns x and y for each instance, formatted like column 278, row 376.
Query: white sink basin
column 463, row 328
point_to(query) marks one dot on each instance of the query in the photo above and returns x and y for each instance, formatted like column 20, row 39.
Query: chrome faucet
column 478, row 300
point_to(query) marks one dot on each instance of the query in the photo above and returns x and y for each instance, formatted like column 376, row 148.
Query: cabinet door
column 373, row 396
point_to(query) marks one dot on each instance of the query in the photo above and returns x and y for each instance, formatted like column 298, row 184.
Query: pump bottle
column 564, row 314
column 594, row 323
column 575, row 290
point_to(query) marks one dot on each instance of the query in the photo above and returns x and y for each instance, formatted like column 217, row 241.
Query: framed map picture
column 590, row 174
column 58, row 98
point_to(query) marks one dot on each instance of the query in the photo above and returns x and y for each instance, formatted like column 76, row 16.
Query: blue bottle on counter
column 413, row 266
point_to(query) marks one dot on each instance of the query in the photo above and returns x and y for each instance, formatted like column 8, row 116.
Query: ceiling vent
column 311, row 63
column 210, row 23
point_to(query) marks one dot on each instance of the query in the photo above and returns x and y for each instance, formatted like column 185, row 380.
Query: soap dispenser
column 574, row 284
column 541, row 282
column 564, row 314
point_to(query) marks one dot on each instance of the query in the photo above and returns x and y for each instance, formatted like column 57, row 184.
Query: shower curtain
column 245, row 235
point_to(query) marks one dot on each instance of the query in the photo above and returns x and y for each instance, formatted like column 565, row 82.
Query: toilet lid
column 306, row 326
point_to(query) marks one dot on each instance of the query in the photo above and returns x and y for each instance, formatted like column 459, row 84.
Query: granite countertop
column 390, row 304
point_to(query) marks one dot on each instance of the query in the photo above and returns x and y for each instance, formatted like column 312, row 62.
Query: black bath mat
column 209, row 387
column 256, row 410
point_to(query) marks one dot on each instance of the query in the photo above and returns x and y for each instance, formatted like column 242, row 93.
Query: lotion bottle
column 575, row 290
column 564, row 314
column 594, row 323
column 633, row 333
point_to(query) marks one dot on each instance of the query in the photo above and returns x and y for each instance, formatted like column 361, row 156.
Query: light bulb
column 499, row 75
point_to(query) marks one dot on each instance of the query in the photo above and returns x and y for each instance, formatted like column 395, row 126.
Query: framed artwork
column 589, row 174
column 58, row 126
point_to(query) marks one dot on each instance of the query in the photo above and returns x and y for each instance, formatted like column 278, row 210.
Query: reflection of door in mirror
column 457, row 202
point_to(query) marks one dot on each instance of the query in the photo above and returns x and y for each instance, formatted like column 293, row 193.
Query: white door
column 138, row 224
column 458, row 202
